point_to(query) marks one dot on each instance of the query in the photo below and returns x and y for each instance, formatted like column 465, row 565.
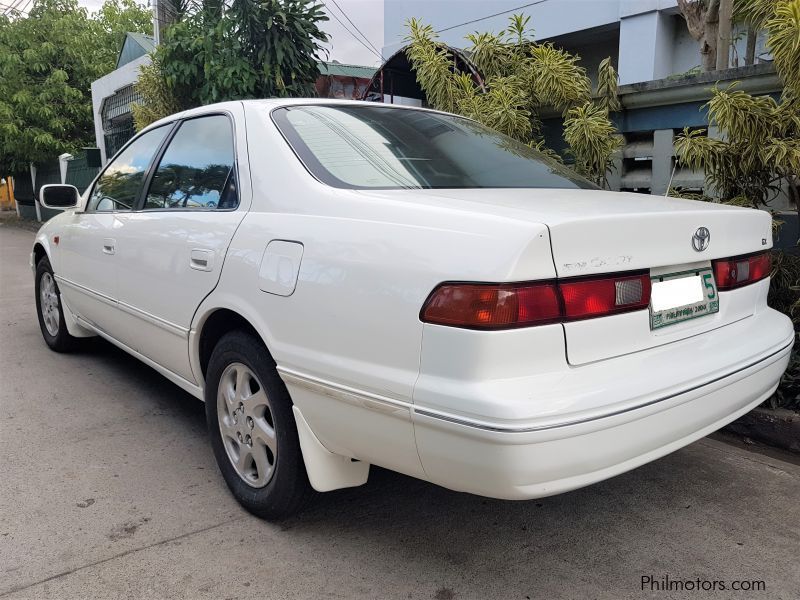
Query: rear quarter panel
column 368, row 265
column 354, row 314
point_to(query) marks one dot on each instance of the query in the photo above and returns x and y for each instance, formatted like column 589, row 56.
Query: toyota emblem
column 701, row 239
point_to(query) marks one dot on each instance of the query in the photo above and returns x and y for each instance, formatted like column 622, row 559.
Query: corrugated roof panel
column 332, row 68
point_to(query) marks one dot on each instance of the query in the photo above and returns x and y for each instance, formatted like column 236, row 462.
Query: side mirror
column 59, row 196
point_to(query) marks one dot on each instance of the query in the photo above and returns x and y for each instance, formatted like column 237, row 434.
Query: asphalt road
column 108, row 489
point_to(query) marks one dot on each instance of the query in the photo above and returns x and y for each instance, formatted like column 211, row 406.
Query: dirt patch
column 127, row 529
column 9, row 218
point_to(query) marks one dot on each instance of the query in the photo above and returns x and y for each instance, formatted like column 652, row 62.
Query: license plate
column 680, row 297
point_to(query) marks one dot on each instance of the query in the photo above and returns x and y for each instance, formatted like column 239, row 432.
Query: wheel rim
column 246, row 425
column 48, row 304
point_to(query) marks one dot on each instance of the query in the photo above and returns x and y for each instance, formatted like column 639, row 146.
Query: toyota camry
column 350, row 284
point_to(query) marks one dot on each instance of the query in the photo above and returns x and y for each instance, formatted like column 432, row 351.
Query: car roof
column 270, row 103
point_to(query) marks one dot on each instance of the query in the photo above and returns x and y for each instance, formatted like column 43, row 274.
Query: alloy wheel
column 48, row 302
column 246, row 425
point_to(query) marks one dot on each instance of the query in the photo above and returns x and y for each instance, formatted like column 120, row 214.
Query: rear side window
column 119, row 186
column 197, row 168
column 380, row 147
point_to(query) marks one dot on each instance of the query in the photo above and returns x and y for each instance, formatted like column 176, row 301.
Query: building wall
column 105, row 87
column 593, row 53
column 685, row 49
column 550, row 18
column 652, row 41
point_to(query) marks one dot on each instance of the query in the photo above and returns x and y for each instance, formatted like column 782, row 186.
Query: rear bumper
column 551, row 453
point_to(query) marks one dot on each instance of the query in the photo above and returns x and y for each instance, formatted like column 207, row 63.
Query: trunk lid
column 593, row 231
column 596, row 232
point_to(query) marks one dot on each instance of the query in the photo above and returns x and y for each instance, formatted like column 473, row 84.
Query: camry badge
column 701, row 239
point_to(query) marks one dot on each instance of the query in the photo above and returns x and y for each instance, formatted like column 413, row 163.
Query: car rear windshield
column 366, row 147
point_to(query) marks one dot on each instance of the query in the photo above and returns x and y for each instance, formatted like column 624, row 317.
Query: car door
column 170, row 252
column 87, row 245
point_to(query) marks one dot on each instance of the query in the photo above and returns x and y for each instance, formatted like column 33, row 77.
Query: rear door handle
column 201, row 259
column 109, row 245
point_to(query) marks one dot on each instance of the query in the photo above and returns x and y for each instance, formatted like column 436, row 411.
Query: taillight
column 502, row 306
column 507, row 306
column 732, row 273
column 587, row 298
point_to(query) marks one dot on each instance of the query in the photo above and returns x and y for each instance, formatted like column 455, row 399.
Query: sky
column 367, row 15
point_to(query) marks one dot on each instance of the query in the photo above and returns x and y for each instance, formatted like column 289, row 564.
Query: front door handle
column 109, row 245
column 201, row 259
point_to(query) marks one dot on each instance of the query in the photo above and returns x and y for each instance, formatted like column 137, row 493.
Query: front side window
column 196, row 171
column 120, row 184
column 380, row 147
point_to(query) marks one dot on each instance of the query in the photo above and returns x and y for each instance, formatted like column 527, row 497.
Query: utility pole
column 164, row 14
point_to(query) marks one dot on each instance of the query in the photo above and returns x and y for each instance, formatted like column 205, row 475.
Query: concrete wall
column 685, row 49
column 645, row 47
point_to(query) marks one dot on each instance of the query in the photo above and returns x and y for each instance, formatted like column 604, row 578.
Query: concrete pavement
column 108, row 489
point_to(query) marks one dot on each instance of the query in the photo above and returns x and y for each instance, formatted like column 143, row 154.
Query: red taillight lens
column 760, row 266
column 504, row 306
column 731, row 273
column 588, row 298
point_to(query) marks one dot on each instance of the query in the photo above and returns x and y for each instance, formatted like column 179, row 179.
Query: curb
column 777, row 427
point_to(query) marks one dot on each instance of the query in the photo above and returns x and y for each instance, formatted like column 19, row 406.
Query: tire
column 49, row 309
column 245, row 400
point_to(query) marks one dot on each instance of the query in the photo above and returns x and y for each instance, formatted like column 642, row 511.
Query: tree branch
column 712, row 12
column 693, row 14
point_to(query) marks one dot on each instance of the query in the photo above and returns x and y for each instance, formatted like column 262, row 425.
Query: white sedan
column 348, row 284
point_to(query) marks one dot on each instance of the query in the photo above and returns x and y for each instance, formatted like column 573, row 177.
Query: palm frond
column 783, row 29
column 432, row 63
column 607, row 85
column 556, row 78
column 592, row 139
column 755, row 13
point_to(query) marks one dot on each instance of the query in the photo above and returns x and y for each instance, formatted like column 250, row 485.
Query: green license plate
column 679, row 297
